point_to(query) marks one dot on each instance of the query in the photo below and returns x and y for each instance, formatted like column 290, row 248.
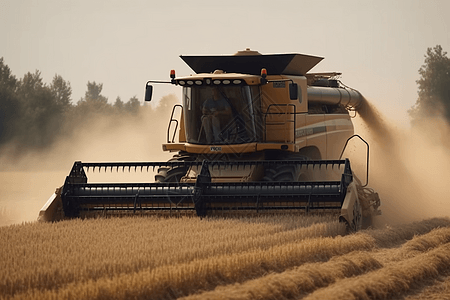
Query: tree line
column 34, row 114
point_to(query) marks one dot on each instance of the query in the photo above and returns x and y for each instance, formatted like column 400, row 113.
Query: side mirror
column 148, row 92
column 293, row 91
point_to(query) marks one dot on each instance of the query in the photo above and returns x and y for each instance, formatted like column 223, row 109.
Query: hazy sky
column 377, row 45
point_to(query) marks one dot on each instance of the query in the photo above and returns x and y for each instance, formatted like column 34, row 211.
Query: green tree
column 133, row 105
column 118, row 105
column 40, row 111
column 93, row 101
column 61, row 92
column 9, row 103
column 7, row 80
column 433, row 87
column 93, row 93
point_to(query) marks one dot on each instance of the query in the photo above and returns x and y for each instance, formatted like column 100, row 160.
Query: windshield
column 219, row 115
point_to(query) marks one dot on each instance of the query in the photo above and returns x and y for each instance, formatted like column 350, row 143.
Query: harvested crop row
column 391, row 281
column 396, row 235
column 184, row 279
column 310, row 277
column 45, row 256
column 296, row 282
column 438, row 289
column 419, row 244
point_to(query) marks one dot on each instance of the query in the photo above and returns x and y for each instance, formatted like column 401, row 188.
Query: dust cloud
column 28, row 181
column 409, row 167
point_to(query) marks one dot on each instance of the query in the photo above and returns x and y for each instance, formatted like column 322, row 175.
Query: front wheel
column 288, row 173
column 171, row 174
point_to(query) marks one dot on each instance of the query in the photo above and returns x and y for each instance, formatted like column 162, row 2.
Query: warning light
column 263, row 76
column 172, row 76
column 263, row 72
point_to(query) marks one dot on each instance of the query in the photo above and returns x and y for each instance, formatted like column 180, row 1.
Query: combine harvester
column 256, row 134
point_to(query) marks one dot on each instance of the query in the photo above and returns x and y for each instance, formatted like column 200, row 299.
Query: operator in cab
column 216, row 111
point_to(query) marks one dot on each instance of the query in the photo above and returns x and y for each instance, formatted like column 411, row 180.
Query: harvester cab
column 255, row 134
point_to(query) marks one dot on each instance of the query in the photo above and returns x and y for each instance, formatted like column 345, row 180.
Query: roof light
column 263, row 72
column 263, row 76
column 172, row 76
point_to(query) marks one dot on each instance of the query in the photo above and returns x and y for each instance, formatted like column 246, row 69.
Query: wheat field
column 270, row 257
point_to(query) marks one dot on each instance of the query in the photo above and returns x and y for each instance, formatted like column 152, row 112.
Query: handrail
column 170, row 124
column 367, row 153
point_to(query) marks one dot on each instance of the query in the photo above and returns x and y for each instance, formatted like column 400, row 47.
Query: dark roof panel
column 288, row 64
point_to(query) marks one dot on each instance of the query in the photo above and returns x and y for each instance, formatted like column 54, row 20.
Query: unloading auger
column 248, row 143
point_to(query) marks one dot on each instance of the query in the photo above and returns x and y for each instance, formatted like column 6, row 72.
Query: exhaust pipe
column 334, row 96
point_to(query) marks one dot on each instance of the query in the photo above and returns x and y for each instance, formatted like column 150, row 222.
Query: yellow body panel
column 182, row 132
column 316, row 135
column 339, row 128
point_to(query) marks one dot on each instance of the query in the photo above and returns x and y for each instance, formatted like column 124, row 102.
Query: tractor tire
column 168, row 174
column 285, row 173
